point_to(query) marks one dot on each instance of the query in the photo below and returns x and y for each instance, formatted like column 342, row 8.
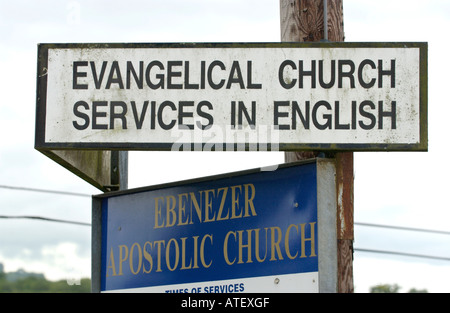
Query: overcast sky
column 404, row 189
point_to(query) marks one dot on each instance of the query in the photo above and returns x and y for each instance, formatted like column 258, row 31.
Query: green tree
column 414, row 290
column 41, row 285
column 387, row 288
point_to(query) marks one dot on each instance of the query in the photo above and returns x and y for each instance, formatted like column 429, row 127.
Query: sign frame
column 326, row 218
column 45, row 146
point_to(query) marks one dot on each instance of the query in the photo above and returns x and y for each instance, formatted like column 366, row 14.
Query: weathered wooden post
column 305, row 21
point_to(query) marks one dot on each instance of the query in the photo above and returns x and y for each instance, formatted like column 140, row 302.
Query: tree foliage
column 387, row 288
column 41, row 285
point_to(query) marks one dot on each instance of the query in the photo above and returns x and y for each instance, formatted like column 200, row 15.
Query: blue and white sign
column 255, row 231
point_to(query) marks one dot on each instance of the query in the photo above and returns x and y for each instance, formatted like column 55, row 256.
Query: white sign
column 233, row 96
column 289, row 283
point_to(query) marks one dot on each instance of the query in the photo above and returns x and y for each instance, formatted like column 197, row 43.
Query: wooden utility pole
column 303, row 21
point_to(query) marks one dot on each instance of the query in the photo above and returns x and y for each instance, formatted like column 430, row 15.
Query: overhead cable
column 403, row 254
column 405, row 228
column 43, row 219
column 67, row 193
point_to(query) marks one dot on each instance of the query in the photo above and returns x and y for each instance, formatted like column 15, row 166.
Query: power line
column 356, row 249
column 43, row 219
column 405, row 228
column 66, row 193
column 356, row 223
column 403, row 254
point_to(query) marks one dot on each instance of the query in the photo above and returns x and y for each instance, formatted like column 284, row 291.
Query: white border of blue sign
column 323, row 279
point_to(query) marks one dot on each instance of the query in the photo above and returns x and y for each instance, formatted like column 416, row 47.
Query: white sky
column 405, row 189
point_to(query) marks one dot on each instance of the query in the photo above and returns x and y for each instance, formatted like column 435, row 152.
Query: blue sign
column 222, row 231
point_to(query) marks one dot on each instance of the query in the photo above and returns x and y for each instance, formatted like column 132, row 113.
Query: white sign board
column 233, row 96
